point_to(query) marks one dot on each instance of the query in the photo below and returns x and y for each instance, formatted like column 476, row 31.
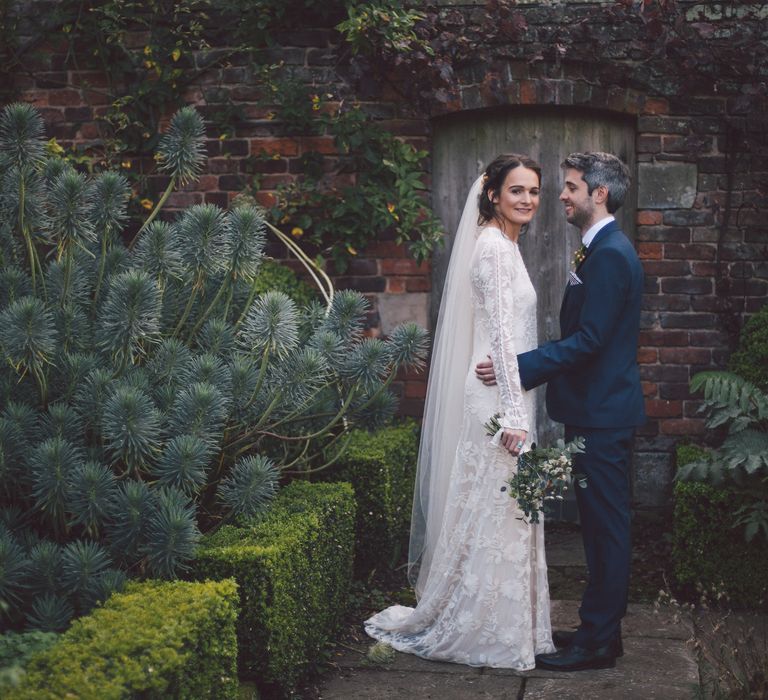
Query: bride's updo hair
column 494, row 177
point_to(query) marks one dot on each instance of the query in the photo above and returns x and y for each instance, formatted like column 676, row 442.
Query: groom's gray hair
column 602, row 169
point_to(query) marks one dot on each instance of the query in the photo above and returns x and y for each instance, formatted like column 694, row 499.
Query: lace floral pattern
column 486, row 601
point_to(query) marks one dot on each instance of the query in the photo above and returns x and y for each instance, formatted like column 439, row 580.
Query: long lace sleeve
column 496, row 267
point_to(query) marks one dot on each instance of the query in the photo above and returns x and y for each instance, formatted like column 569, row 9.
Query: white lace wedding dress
column 486, row 599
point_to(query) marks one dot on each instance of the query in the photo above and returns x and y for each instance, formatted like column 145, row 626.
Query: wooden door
column 463, row 144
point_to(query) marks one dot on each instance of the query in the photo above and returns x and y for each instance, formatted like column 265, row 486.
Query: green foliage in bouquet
column 150, row 391
column 542, row 474
column 740, row 464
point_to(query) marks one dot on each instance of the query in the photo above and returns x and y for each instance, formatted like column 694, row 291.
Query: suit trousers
column 604, row 511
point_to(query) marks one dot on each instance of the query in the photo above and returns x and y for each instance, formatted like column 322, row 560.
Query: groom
column 593, row 387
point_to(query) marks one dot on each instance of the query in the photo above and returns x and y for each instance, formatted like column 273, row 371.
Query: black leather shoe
column 564, row 638
column 576, row 658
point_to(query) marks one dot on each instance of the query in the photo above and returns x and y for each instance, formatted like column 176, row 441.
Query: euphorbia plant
column 148, row 392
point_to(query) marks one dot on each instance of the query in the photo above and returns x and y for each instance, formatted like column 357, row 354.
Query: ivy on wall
column 152, row 53
column 386, row 193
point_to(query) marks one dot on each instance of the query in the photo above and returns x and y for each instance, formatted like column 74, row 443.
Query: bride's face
column 518, row 198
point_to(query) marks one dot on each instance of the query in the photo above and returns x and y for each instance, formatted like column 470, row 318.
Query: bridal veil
column 443, row 408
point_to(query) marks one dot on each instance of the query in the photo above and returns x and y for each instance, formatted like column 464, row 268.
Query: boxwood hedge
column 381, row 467
column 156, row 641
column 707, row 550
column 293, row 571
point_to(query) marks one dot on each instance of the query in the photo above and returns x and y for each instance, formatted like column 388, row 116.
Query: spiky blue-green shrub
column 153, row 390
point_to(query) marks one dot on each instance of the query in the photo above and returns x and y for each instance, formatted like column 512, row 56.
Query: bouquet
column 543, row 473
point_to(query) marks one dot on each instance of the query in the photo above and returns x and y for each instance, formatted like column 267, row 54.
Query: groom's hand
column 484, row 372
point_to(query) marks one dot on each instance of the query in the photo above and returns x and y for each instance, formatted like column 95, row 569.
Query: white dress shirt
column 586, row 239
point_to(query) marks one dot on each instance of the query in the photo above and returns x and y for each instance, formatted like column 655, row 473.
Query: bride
column 478, row 570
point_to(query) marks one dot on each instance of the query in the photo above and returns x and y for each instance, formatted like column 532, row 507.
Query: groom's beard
column 580, row 218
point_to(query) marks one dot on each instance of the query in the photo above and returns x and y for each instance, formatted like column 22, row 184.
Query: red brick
column 266, row 199
column 692, row 409
column 418, row 284
column 89, row 131
column 657, row 338
column 270, row 182
column 37, row 98
column 203, row 184
column 709, row 339
column 412, row 407
column 682, row 426
column 319, row 144
column 693, row 251
column 386, row 249
column 180, row 200
column 650, row 389
column 658, row 408
column 220, row 199
column 283, row 147
column 363, row 266
column 415, row 390
column 222, row 165
column 650, row 251
column 647, row 356
column 649, row 429
column 685, row 356
column 655, row 105
column 90, row 78
column 704, row 269
column 64, row 97
column 666, row 268
column 648, row 144
column 396, row 285
column 94, row 98
column 649, row 217
column 403, row 266
column 527, row 92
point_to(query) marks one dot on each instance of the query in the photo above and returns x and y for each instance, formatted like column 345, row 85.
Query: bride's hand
column 513, row 441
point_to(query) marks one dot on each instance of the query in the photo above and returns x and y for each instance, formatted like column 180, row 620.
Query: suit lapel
column 600, row 236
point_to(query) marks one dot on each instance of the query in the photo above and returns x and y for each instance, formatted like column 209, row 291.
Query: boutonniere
column 578, row 256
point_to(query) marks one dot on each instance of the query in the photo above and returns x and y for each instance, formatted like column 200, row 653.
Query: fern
column 741, row 462
column 728, row 397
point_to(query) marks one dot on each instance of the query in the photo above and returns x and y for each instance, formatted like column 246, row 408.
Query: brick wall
column 702, row 210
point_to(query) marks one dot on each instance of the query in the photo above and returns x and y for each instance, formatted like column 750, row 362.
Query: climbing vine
column 154, row 54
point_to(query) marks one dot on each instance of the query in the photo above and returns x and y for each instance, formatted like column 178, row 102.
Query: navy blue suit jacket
column 592, row 374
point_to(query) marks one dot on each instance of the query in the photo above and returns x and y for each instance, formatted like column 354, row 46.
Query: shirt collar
column 586, row 239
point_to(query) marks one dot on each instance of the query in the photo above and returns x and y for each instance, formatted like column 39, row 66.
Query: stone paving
column 657, row 663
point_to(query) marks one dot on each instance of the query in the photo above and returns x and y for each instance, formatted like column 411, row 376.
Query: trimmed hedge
column 157, row 640
column 707, row 550
column 381, row 467
column 293, row 571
